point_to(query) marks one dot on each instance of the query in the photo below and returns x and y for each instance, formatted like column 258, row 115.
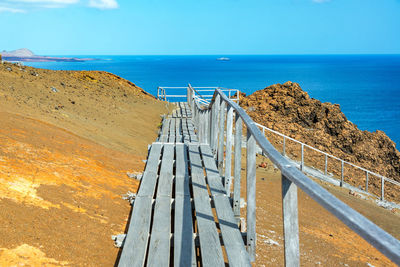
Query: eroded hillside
column 67, row 140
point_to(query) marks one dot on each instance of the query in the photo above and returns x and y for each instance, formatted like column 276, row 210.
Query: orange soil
column 60, row 195
column 324, row 240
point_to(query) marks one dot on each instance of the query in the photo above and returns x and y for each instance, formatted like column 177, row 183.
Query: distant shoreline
column 46, row 59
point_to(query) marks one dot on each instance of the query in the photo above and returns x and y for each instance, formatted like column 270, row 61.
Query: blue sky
column 173, row 27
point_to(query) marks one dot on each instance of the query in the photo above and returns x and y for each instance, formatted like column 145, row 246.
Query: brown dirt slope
column 96, row 105
column 63, row 162
column 289, row 110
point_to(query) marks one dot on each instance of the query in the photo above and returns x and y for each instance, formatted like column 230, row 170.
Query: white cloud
column 20, row 6
column 45, row 1
column 321, row 1
column 103, row 4
column 11, row 10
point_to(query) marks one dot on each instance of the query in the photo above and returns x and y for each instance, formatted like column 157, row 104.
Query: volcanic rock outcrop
column 288, row 109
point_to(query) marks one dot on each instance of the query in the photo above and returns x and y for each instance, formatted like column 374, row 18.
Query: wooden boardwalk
column 181, row 215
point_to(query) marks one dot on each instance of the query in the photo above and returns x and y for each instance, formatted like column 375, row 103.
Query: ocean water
column 367, row 87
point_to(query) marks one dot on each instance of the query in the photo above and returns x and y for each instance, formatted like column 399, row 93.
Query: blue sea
column 367, row 87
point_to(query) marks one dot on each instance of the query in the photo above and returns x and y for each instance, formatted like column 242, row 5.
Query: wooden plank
column 165, row 126
column 186, row 135
column 149, row 179
column 184, row 248
column 233, row 241
column 193, row 137
column 166, row 171
column 178, row 130
column 135, row 245
column 159, row 249
column 210, row 246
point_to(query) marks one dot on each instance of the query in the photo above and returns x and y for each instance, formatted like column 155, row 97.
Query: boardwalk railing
column 202, row 95
column 368, row 173
column 222, row 114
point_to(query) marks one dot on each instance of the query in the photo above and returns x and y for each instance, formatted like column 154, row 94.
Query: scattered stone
column 53, row 89
column 118, row 240
column 145, row 161
column 271, row 242
column 370, row 265
column 130, row 197
column 9, row 69
column 242, row 203
column 263, row 165
column 62, row 84
column 251, row 109
column 33, row 73
column 137, row 176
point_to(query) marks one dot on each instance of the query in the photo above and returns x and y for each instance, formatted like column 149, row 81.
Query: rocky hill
column 288, row 109
column 25, row 54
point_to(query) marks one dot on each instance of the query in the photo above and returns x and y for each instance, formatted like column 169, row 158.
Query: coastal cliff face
column 288, row 109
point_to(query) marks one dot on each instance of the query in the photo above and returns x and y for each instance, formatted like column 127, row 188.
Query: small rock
column 9, row 69
column 118, row 240
column 242, row 203
column 130, row 197
column 62, row 84
column 33, row 73
column 269, row 241
column 137, row 176
column 263, row 165
column 54, row 89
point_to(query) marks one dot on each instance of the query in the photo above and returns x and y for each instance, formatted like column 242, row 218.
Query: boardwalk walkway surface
column 181, row 215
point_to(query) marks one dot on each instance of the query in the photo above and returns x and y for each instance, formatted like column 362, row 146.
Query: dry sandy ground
column 64, row 155
column 324, row 240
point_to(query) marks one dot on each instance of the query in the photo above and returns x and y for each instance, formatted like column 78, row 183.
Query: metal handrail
column 303, row 145
column 211, row 129
column 162, row 95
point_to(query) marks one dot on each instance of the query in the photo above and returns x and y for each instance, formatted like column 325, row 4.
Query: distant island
column 27, row 55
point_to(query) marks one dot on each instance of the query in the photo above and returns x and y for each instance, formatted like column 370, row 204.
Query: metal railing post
column 302, row 157
column 251, row 195
column 238, row 166
column 326, row 164
column 210, row 126
column 221, row 137
column 342, row 174
column 290, row 222
column 228, row 157
column 215, row 124
column 382, row 188
column 366, row 181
